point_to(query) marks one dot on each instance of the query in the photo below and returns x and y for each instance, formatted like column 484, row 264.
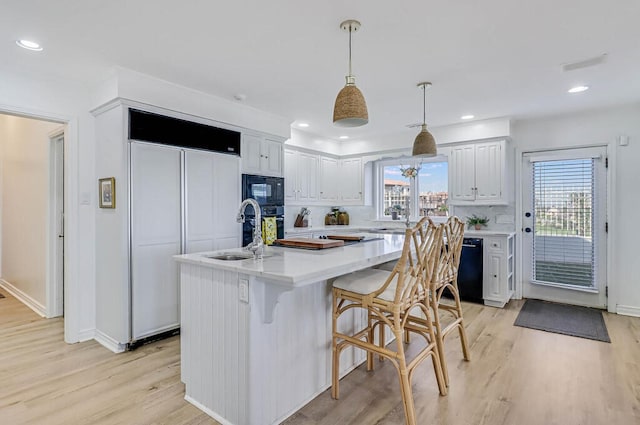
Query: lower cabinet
column 498, row 279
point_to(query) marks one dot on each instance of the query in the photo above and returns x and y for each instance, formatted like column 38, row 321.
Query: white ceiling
column 489, row 58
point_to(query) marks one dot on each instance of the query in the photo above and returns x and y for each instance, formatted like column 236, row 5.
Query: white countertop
column 393, row 227
column 298, row 267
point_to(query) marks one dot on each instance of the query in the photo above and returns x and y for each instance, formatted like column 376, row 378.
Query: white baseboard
column 108, row 342
column 627, row 310
column 24, row 298
column 86, row 335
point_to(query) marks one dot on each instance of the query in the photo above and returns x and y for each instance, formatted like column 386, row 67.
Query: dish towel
column 269, row 230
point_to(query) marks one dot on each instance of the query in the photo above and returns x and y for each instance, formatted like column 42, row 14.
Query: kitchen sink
column 388, row 230
column 232, row 256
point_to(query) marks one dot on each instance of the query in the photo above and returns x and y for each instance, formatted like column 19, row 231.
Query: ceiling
column 490, row 58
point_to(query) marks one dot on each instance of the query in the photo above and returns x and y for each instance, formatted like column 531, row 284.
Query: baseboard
column 108, row 342
column 24, row 298
column 208, row 411
column 86, row 335
column 627, row 310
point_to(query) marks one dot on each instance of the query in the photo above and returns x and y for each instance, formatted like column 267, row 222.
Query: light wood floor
column 516, row 376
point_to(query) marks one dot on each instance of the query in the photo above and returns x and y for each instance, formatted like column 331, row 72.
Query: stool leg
column 370, row 340
column 461, row 330
column 438, row 335
column 405, row 382
column 335, row 364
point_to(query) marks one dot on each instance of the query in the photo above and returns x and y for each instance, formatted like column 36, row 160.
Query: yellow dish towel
column 269, row 230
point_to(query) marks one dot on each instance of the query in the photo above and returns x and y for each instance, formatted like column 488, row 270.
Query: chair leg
column 439, row 338
column 405, row 382
column 463, row 333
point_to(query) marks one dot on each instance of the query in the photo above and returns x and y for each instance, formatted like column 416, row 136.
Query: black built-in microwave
column 268, row 191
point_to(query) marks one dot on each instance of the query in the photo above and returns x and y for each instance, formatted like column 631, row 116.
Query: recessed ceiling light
column 29, row 45
column 467, row 117
column 303, row 125
column 578, row 89
column 344, row 137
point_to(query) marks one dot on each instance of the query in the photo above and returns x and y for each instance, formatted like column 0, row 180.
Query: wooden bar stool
column 388, row 298
column 445, row 278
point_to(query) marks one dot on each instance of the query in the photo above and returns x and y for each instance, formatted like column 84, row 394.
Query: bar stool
column 388, row 298
column 444, row 278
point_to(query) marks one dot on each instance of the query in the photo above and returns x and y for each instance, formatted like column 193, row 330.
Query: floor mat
column 563, row 319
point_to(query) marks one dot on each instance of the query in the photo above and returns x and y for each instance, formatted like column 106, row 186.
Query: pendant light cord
column 424, row 105
column 350, row 50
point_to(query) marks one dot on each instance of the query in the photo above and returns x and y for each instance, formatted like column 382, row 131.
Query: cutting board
column 356, row 238
column 309, row 243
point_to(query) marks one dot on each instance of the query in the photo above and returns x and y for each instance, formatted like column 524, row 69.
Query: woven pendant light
column 350, row 109
column 425, row 144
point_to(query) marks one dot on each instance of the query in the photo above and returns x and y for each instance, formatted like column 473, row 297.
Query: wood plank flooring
column 516, row 376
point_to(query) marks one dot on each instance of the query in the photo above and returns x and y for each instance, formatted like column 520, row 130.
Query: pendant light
column 350, row 109
column 425, row 144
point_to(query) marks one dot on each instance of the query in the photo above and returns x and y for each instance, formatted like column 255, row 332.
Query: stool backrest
column 449, row 261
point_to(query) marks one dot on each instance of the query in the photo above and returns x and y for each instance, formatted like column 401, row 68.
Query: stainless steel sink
column 230, row 256
column 233, row 256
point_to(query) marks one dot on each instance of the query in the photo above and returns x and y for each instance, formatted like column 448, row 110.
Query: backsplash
column 358, row 215
column 498, row 215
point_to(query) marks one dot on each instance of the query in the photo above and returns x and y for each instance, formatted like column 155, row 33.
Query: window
column 395, row 190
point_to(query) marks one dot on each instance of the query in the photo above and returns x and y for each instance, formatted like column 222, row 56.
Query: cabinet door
column 492, row 285
column 290, row 176
column 155, row 238
column 328, row 179
column 308, row 177
column 351, row 180
column 489, row 171
column 212, row 196
column 271, row 157
column 251, row 154
column 462, row 173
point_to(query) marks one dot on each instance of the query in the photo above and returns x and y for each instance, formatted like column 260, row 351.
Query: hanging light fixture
column 350, row 109
column 425, row 144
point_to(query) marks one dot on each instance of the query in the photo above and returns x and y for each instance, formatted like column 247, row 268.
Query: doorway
column 32, row 212
column 565, row 226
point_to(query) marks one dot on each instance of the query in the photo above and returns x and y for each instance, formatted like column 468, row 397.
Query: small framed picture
column 107, row 192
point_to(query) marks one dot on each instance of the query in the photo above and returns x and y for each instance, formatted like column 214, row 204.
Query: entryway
column 564, row 207
column 32, row 212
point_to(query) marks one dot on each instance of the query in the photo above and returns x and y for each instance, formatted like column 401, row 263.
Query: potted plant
column 395, row 210
column 477, row 222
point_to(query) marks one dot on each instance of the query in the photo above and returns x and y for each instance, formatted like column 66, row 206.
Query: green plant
column 475, row 220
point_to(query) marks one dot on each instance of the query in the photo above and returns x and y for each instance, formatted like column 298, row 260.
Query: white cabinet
column 498, row 277
column 329, row 179
column 261, row 155
column 300, row 177
column 477, row 174
column 351, row 180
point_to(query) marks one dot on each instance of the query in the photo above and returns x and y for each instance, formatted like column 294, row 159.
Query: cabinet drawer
column 494, row 245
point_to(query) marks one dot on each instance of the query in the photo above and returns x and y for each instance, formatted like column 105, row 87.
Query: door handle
column 527, row 229
column 61, row 236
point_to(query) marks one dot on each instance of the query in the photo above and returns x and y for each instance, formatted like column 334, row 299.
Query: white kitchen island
column 256, row 335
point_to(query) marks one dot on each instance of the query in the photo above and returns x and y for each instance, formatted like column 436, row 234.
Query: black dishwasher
column 470, row 271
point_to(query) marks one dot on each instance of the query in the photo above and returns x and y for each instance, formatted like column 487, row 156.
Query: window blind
column 563, row 245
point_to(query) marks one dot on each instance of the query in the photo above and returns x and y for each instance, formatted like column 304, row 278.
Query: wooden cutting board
column 346, row 237
column 309, row 243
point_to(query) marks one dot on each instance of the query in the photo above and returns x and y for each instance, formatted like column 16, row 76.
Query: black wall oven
column 268, row 191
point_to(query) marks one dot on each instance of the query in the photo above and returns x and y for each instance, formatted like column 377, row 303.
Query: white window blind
column 563, row 245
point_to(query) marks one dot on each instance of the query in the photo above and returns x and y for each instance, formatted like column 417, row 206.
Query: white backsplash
column 358, row 215
column 501, row 217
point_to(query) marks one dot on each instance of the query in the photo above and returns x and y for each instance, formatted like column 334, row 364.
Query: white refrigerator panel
column 156, row 237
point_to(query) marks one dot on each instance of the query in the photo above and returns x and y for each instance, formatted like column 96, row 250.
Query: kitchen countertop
column 299, row 267
column 393, row 228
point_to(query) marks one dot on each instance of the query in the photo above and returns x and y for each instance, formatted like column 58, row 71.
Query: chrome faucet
column 257, row 245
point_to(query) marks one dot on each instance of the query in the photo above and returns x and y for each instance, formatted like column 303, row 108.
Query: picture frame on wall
column 107, row 192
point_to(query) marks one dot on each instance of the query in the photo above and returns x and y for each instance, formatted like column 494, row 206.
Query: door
column 307, row 177
column 328, row 179
column 271, row 157
column 564, row 226
column 462, row 171
column 155, row 238
column 55, row 290
column 489, row 171
column 251, row 155
column 290, row 175
column 351, row 173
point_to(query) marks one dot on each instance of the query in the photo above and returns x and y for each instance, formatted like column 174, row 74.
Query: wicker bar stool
column 445, row 278
column 388, row 297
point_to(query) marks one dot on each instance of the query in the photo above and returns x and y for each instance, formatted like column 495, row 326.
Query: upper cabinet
column 300, row 177
column 477, row 174
column 261, row 155
column 314, row 179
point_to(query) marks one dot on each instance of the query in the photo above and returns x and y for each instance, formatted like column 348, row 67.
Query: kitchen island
column 256, row 334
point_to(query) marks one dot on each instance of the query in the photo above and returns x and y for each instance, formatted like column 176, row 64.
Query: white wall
column 24, row 153
column 602, row 127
